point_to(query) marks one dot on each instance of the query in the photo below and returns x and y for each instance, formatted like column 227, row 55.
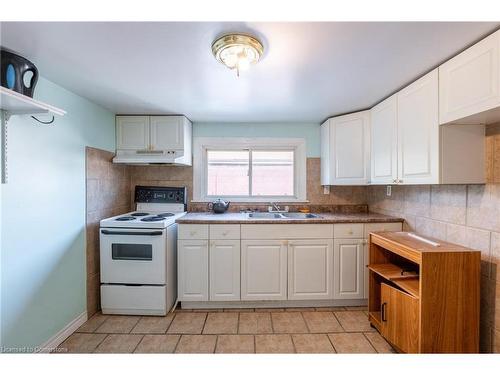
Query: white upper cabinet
column 346, row 149
column 132, row 132
column 384, row 150
column 167, row 132
column 418, row 131
column 153, row 139
column 469, row 84
column 410, row 147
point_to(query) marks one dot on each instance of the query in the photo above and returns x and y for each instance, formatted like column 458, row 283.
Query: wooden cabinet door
column 469, row 83
column 167, row 132
column 418, row 131
column 310, row 269
column 400, row 319
column 263, row 270
column 224, row 259
column 384, row 142
column 132, row 132
column 348, row 266
column 349, row 149
column 192, row 270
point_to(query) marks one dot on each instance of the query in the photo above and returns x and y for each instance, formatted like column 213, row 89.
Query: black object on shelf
column 13, row 69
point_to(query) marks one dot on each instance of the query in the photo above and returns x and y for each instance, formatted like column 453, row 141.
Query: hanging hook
column 44, row 122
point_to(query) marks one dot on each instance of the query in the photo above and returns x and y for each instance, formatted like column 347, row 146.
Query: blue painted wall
column 311, row 132
column 43, row 261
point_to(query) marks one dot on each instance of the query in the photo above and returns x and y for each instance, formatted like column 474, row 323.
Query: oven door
column 133, row 256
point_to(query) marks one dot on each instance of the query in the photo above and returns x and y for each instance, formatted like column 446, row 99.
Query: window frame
column 200, row 170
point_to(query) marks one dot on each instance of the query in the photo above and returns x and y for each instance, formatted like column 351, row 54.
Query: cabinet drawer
column 348, row 231
column 285, row 231
column 193, row 232
column 225, row 232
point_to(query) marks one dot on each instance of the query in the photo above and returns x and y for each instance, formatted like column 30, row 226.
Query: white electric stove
column 139, row 254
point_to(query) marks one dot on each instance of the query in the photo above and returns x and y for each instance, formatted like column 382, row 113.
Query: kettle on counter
column 218, row 206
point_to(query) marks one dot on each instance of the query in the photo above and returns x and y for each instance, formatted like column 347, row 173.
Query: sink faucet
column 276, row 208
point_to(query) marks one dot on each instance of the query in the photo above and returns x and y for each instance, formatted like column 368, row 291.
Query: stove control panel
column 157, row 194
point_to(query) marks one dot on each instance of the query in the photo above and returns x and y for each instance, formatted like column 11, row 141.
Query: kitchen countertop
column 326, row 218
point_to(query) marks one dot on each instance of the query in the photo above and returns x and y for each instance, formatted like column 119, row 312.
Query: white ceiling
column 309, row 70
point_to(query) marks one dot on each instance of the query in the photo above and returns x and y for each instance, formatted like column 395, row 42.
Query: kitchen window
column 249, row 170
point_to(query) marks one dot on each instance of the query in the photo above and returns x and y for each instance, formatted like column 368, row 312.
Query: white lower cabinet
column 263, row 270
column 224, row 260
column 310, row 269
column 192, row 270
column 348, row 269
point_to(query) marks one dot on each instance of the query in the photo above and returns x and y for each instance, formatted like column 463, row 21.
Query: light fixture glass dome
column 237, row 51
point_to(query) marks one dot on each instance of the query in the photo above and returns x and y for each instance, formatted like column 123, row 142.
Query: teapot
column 218, row 206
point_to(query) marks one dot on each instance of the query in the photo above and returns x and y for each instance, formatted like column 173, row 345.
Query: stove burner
column 166, row 214
column 125, row 218
column 140, row 214
column 153, row 218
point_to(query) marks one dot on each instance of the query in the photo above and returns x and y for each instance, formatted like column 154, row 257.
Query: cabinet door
column 469, row 83
column 224, row 270
column 418, row 132
column 400, row 318
column 167, row 132
column 349, row 149
column 325, row 153
column 132, row 132
column 384, row 142
column 192, row 270
column 348, row 274
column 263, row 270
column 310, row 269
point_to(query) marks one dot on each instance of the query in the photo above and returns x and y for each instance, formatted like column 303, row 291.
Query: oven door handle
column 129, row 233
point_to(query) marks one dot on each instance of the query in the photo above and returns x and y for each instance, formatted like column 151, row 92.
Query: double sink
column 282, row 215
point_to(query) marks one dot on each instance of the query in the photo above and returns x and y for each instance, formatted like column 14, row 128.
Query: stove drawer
column 134, row 300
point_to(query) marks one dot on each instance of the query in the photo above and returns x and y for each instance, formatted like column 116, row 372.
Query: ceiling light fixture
column 237, row 51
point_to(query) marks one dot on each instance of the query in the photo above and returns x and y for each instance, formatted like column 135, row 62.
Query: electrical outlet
column 389, row 190
column 326, row 189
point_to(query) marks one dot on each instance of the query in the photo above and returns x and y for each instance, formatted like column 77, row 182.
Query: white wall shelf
column 17, row 104
column 12, row 103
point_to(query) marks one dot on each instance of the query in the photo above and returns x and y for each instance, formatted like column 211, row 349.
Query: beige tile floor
column 294, row 330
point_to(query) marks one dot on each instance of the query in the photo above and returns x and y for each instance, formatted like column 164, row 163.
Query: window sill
column 247, row 201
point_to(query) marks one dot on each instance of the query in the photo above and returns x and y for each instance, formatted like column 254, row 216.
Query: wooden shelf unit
column 433, row 305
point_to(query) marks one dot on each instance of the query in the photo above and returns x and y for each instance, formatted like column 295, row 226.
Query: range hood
column 153, row 140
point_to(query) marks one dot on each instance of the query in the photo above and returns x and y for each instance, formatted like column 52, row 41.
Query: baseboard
column 63, row 334
column 271, row 304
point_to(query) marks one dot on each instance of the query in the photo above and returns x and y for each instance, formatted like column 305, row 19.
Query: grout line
column 305, row 323
column 135, row 348
column 238, row 325
column 204, row 323
column 369, row 342
column 136, row 323
column 104, row 339
column 293, row 344
column 177, row 344
column 331, row 342
column 216, row 342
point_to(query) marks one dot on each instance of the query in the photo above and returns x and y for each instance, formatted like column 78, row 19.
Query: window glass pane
column 272, row 173
column 227, row 173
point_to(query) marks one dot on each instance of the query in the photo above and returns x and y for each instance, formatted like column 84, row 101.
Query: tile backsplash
column 108, row 186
